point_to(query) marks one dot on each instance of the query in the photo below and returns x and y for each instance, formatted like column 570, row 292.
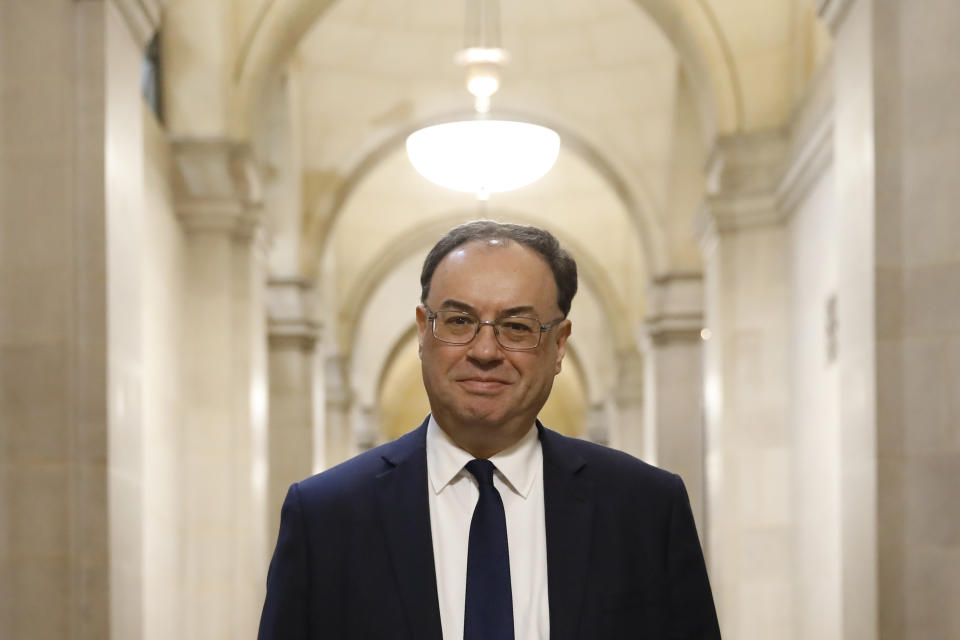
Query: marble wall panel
column 52, row 322
column 926, row 377
column 163, row 408
column 917, row 139
column 33, row 392
column 815, row 413
column 855, row 184
column 932, row 518
column 932, row 298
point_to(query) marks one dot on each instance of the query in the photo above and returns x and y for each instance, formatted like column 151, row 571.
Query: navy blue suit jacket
column 354, row 558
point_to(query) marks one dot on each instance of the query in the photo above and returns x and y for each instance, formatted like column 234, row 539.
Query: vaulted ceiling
column 638, row 90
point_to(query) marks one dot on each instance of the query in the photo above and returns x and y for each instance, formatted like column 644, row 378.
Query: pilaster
column 70, row 386
column 898, row 317
column 598, row 427
column 672, row 359
column 366, row 428
column 855, row 185
column 628, row 397
column 292, row 314
column 745, row 389
column 295, row 381
column 224, row 441
column 339, row 400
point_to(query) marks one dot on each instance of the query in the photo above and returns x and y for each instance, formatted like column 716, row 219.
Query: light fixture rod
column 482, row 24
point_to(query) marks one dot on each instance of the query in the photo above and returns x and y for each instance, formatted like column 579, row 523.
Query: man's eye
column 518, row 327
column 459, row 321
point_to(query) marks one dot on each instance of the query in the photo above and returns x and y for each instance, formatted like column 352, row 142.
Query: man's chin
column 479, row 415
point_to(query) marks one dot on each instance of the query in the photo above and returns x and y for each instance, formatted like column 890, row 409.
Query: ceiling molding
column 810, row 152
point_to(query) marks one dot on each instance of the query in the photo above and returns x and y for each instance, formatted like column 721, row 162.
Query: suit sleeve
column 692, row 612
column 285, row 610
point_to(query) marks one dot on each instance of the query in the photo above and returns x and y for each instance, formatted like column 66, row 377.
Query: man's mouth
column 483, row 385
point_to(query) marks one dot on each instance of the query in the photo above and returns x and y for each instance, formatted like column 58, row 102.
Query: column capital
column 675, row 309
column 291, row 314
column 744, row 172
column 217, row 187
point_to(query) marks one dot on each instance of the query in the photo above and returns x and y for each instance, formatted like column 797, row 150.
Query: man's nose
column 484, row 346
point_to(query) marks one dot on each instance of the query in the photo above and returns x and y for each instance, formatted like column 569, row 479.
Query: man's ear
column 422, row 322
column 563, row 333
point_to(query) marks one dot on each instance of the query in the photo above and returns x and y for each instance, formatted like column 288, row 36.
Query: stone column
column 598, row 424
column 294, row 381
column 745, row 388
column 673, row 359
column 339, row 400
column 223, row 455
column 71, row 206
column 896, row 164
column 366, row 432
column 628, row 398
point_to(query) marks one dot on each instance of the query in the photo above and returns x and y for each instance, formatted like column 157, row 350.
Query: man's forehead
column 523, row 276
column 525, row 261
column 467, row 250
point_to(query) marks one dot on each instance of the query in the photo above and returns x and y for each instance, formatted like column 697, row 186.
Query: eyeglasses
column 514, row 333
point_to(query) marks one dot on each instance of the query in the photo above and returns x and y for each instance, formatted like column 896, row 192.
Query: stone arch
column 426, row 234
column 638, row 204
column 689, row 25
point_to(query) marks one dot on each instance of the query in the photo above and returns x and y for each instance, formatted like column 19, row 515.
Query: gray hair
column 563, row 267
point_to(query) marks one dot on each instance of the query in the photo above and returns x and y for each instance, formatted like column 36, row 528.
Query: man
column 482, row 523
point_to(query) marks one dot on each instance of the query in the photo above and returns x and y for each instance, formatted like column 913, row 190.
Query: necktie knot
column 482, row 470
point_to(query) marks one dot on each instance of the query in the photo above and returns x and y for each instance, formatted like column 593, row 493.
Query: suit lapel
column 404, row 507
column 568, row 506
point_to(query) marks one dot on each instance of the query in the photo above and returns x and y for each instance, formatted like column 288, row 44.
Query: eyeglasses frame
column 432, row 317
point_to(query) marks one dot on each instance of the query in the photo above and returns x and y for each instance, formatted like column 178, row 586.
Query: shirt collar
column 518, row 465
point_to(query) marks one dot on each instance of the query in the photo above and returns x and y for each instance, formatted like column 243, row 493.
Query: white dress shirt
column 453, row 494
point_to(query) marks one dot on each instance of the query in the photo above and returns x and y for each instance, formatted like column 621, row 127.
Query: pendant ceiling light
column 483, row 155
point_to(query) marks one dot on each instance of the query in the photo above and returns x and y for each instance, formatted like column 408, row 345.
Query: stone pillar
column 339, row 400
column 896, row 169
column 628, row 398
column 71, row 190
column 673, row 399
column 223, row 455
column 366, row 432
column 598, row 424
column 294, row 381
column 745, row 388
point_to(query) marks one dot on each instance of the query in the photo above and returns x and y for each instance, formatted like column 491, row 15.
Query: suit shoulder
column 358, row 474
column 606, row 464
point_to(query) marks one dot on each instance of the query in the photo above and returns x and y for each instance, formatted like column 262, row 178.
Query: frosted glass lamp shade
column 483, row 156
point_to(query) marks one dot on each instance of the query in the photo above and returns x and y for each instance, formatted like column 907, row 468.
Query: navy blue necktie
column 488, row 612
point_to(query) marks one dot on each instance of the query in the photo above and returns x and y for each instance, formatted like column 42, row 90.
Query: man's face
column 480, row 388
